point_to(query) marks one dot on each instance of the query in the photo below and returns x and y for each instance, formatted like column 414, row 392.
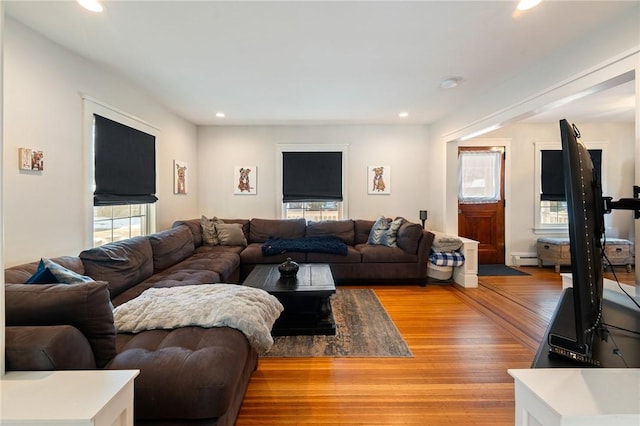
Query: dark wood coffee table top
column 313, row 279
column 306, row 298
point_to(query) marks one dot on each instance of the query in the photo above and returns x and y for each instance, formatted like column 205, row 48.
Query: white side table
column 577, row 396
column 57, row 398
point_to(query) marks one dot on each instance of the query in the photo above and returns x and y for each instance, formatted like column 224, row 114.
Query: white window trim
column 280, row 148
column 91, row 106
column 559, row 229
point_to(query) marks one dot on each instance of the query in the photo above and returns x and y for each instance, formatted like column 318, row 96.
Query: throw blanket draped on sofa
column 250, row 310
column 333, row 245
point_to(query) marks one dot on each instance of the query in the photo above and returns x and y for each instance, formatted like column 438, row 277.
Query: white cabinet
column 577, row 396
column 69, row 398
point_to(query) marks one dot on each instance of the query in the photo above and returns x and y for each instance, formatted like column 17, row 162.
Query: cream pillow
column 230, row 234
column 209, row 234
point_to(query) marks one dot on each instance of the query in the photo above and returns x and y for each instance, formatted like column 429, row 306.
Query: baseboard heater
column 524, row 259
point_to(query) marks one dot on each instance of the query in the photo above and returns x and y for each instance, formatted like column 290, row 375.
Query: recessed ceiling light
column 92, row 5
column 403, row 114
column 528, row 4
column 220, row 114
column 450, row 83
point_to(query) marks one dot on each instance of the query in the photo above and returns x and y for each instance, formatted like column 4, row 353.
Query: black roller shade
column 311, row 176
column 125, row 164
column 552, row 173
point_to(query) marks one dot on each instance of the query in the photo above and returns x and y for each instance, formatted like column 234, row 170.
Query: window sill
column 555, row 230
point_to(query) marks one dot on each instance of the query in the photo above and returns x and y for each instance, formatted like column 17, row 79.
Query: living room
column 417, row 178
column 48, row 213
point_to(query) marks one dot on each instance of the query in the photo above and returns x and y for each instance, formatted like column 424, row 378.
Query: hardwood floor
column 463, row 342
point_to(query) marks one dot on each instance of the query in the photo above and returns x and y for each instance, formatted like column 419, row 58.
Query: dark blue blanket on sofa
column 333, row 245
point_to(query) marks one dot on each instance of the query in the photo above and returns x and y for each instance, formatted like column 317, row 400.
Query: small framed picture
column 180, row 170
column 245, row 180
column 30, row 159
column 379, row 179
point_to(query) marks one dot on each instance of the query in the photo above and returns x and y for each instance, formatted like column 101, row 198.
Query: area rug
column 498, row 270
column 363, row 329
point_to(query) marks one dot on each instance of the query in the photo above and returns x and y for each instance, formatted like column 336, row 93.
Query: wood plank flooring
column 463, row 341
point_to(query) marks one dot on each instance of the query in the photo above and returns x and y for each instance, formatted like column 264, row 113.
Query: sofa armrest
column 424, row 250
column 84, row 306
column 37, row 348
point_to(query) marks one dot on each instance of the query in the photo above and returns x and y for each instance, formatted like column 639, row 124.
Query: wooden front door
column 481, row 200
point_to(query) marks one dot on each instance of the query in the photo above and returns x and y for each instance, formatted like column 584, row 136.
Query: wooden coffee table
column 306, row 298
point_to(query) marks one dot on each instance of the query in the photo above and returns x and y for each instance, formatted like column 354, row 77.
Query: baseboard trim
column 524, row 259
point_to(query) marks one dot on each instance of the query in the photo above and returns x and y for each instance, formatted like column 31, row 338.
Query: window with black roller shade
column 311, row 176
column 125, row 164
column 552, row 185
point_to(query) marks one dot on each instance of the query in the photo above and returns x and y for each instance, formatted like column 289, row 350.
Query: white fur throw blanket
column 250, row 310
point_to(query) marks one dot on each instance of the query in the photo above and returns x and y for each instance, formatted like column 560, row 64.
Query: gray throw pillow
column 230, row 234
column 209, row 234
column 385, row 233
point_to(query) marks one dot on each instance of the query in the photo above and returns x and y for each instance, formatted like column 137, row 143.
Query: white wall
column 46, row 212
column 602, row 55
column 2, row 320
column 404, row 148
column 619, row 175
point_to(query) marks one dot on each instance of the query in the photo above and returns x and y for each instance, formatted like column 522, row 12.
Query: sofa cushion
column 211, row 364
column 230, row 234
column 352, row 256
column 84, row 306
column 194, row 226
column 253, row 255
column 261, row 229
column 209, row 232
column 343, row 229
column 46, row 348
column 362, row 229
column 122, row 264
column 21, row 273
column 409, row 235
column 223, row 263
column 171, row 246
column 375, row 253
column 49, row 272
column 243, row 222
column 385, row 233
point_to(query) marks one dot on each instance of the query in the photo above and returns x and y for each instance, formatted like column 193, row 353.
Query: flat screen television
column 585, row 208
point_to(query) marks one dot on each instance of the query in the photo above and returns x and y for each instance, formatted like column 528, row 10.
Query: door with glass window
column 481, row 200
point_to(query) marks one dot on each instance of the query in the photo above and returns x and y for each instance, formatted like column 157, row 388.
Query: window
column 122, row 165
column 125, row 164
column 479, row 176
column 316, row 211
column 115, row 223
column 551, row 208
column 313, row 181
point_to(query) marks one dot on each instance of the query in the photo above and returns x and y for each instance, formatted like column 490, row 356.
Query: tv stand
column 620, row 350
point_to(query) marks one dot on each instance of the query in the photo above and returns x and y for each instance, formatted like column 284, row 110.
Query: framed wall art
column 30, row 159
column 180, row 170
column 379, row 179
column 245, row 180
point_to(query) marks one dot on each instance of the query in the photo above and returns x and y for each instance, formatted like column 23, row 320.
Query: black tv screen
column 585, row 208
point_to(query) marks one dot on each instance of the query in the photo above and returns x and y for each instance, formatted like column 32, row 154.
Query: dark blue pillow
column 42, row 276
column 49, row 272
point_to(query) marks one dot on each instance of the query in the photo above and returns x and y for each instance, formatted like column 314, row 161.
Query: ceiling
column 305, row 62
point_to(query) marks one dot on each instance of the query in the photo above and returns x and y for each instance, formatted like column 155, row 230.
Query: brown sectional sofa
column 190, row 375
column 363, row 262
